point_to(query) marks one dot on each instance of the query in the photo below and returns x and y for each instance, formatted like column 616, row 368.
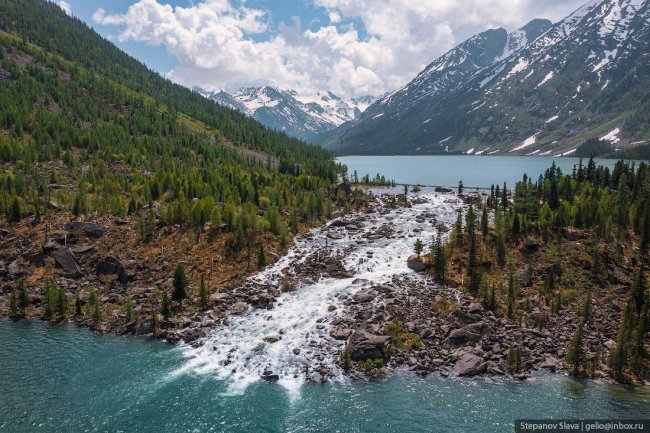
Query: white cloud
column 65, row 6
column 219, row 45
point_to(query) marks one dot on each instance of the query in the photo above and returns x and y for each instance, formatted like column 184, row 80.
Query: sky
column 350, row 47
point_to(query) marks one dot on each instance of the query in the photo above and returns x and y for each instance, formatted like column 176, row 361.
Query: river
column 56, row 378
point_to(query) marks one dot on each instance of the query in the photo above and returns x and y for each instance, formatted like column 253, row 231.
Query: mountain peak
column 301, row 116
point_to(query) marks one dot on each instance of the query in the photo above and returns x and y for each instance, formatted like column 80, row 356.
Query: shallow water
column 63, row 379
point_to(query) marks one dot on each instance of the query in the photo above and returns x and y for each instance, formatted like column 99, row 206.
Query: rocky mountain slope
column 286, row 110
column 544, row 89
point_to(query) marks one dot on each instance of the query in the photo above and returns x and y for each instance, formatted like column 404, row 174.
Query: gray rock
column 470, row 365
column 67, row 261
column 341, row 333
column 81, row 227
column 112, row 266
column 239, row 308
column 363, row 345
column 415, row 262
column 363, row 297
column 461, row 337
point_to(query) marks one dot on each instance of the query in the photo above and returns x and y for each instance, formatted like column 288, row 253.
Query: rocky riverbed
column 343, row 302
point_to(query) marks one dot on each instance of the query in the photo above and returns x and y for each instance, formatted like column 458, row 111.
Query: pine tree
column 261, row 258
column 511, row 295
column 180, row 283
column 418, row 247
column 587, row 309
column 13, row 305
column 513, row 359
column 637, row 350
column 576, row 354
column 203, row 294
column 77, row 305
column 618, row 355
column 154, row 320
column 439, row 260
column 484, row 223
column 492, row 304
column 461, row 187
column 458, row 228
column 638, row 290
column 15, row 213
column 128, row 311
column 165, row 309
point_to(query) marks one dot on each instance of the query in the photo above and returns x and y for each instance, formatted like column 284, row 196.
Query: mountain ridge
column 299, row 116
column 505, row 103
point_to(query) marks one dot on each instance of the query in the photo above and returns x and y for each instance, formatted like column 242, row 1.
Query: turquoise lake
column 56, row 378
column 447, row 170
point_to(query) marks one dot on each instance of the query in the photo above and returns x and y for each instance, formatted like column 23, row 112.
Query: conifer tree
column 439, row 259
column 154, row 320
column 180, row 283
column 511, row 295
column 128, row 311
column 165, row 309
column 261, row 258
column 15, row 213
column 484, row 223
column 418, row 247
column 203, row 294
column 576, row 354
column 77, row 305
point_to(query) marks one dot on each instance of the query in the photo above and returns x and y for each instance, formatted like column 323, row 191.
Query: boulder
column 17, row 268
column 416, row 263
column 112, row 267
column 81, row 227
column 362, row 345
column 551, row 363
column 470, row 365
column 341, row 333
column 239, row 308
column 363, row 297
column 461, row 337
column 67, row 261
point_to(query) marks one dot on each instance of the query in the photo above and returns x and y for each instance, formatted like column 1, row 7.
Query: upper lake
column 448, row 170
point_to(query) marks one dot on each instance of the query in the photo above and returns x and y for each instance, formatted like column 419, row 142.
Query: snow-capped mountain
column 298, row 115
column 543, row 89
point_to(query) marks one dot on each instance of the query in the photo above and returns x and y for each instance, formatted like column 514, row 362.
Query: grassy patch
column 401, row 338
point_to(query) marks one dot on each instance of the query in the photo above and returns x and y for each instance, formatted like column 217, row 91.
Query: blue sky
column 350, row 47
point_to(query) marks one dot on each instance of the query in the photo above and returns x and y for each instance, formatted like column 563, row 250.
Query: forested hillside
column 92, row 129
column 114, row 179
column 567, row 253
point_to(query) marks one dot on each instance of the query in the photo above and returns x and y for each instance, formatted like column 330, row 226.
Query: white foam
column 301, row 319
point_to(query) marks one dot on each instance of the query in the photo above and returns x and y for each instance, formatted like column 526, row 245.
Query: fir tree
column 165, row 309
column 439, row 259
column 261, row 258
column 418, row 247
column 203, row 294
column 77, row 305
column 511, row 295
column 154, row 320
column 484, row 223
column 128, row 311
column 513, row 359
column 15, row 213
column 576, row 354
column 180, row 283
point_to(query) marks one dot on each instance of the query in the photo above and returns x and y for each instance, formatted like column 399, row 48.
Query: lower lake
column 57, row 378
